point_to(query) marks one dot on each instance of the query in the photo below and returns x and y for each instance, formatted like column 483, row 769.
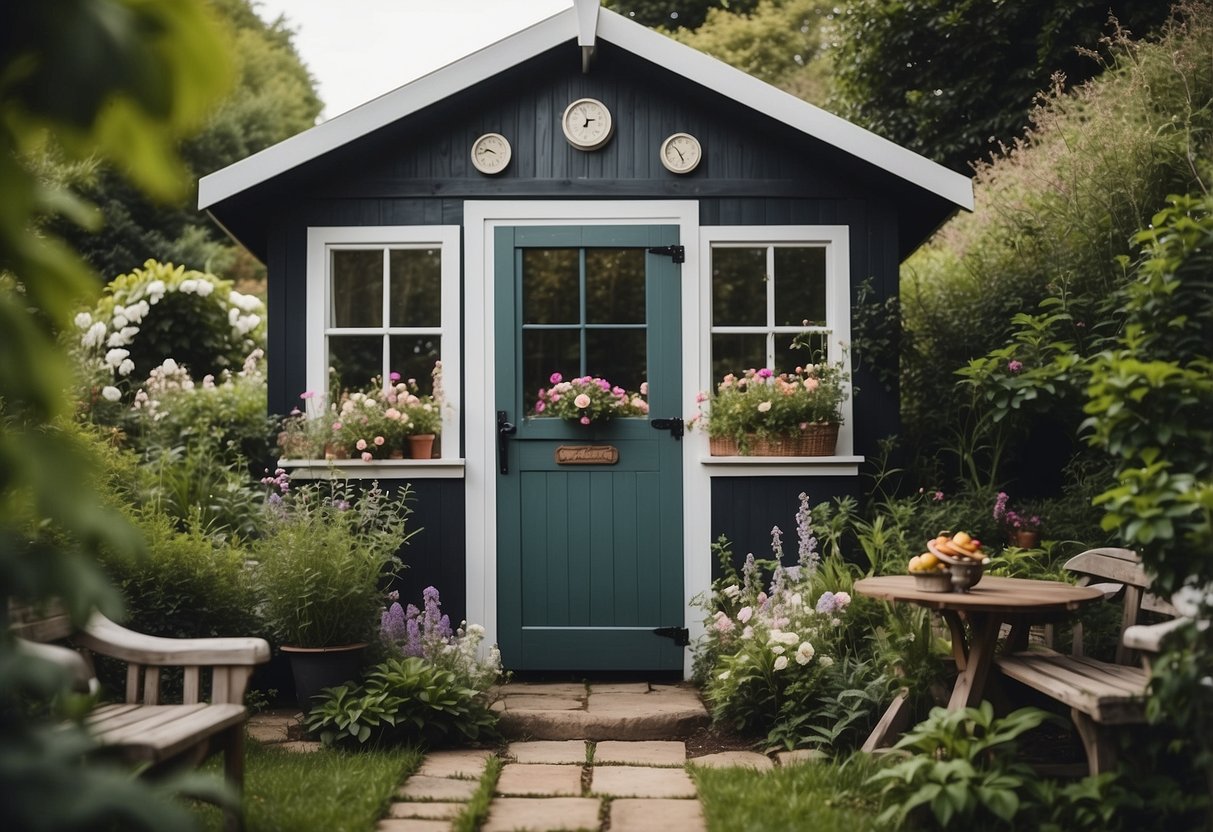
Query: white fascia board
column 587, row 21
column 781, row 106
column 387, row 108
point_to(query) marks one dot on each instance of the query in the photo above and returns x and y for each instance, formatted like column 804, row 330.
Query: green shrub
column 403, row 701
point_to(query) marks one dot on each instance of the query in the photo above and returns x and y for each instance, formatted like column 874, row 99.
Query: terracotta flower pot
column 421, row 446
column 1027, row 539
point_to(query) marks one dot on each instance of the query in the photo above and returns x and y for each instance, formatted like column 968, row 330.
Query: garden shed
column 588, row 197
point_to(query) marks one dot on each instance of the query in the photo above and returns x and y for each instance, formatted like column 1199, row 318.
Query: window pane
column 416, row 287
column 551, row 288
column 413, row 356
column 544, row 352
column 354, row 360
column 618, row 355
column 614, row 285
column 800, row 286
column 739, row 287
column 357, row 288
column 736, row 354
column 813, row 351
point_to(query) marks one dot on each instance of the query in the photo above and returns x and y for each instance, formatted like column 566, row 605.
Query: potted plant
column 589, row 399
column 766, row 413
column 318, row 569
column 1022, row 530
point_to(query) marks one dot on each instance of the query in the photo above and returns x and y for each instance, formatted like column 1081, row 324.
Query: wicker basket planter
column 815, row 440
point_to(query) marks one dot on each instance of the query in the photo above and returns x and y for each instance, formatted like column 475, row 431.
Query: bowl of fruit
column 963, row 557
column 930, row 573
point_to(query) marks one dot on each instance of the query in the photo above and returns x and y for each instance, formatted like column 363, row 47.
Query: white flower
column 732, row 590
column 243, row 302
column 825, row 661
column 126, row 367
column 115, row 357
column 233, row 315
column 169, row 366
column 187, row 286
column 796, row 600
column 83, row 320
column 747, row 633
column 155, row 291
column 95, row 335
column 724, row 674
column 805, row 653
column 764, row 407
column 111, row 393
column 781, row 662
column 835, row 622
column 135, row 312
column 841, row 599
column 204, row 288
column 744, row 614
column 775, row 637
column 122, row 337
column 789, row 638
column 778, row 649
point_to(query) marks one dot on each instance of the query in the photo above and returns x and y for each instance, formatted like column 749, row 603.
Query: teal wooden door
column 589, row 557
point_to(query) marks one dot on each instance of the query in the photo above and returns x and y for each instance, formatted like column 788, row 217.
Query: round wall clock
column 680, row 153
column 587, row 124
column 491, row 153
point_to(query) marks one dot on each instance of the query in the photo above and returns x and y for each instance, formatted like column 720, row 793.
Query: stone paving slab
column 548, row 751
column 542, row 814
column 734, row 759
column 645, row 753
column 412, row 825
column 800, row 756
column 573, row 689
column 428, row 811
column 299, row 746
column 521, row 780
column 464, row 764
column 631, row 815
column 419, row 787
column 619, row 687
column 269, row 732
column 640, row 781
column 529, row 702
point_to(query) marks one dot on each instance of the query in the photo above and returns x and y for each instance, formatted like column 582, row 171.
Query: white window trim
column 444, row 237
column 836, row 240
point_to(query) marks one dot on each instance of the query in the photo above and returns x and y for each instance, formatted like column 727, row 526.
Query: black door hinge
column 680, row 635
column 678, row 253
column 675, row 426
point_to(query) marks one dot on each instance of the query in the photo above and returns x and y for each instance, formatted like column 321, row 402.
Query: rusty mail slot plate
column 587, row 455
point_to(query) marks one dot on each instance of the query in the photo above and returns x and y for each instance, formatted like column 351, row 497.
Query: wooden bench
column 1100, row 695
column 142, row 730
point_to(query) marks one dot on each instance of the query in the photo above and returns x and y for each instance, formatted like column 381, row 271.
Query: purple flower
column 765, row 373
column 1014, row 366
column 807, row 548
column 749, row 573
column 394, row 376
column 1000, row 506
column 392, row 626
column 825, row 604
column 777, row 542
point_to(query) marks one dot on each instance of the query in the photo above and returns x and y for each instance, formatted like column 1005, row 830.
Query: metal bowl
column 964, row 576
column 935, row 581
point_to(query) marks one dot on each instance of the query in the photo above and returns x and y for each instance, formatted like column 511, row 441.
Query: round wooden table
column 986, row 607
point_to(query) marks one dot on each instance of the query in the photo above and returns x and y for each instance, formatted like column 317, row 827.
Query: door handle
column 674, row 426
column 504, row 431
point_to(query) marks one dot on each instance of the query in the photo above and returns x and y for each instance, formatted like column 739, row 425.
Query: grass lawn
column 321, row 791
column 823, row 797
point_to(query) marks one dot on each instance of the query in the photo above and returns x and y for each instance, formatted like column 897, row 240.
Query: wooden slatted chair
column 143, row 730
column 1100, row 695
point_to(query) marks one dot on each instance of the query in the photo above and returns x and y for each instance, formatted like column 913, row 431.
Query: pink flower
column 391, row 413
column 644, row 388
column 744, row 614
column 585, row 420
column 360, row 444
column 937, row 496
column 366, row 456
column 379, row 440
column 394, row 376
column 1014, row 366
column 582, row 401
column 810, row 384
column 336, row 426
column 307, row 394
column 765, row 373
column 556, row 378
column 540, row 407
column 700, row 397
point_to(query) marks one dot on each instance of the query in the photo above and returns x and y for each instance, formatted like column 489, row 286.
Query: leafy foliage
column 676, row 14
column 898, row 66
column 404, row 700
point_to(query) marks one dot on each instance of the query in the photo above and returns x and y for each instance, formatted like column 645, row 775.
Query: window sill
column 782, row 466
column 380, row 469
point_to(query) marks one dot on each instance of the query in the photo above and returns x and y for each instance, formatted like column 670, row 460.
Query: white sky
column 359, row 49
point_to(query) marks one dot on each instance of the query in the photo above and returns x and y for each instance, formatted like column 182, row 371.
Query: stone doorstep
column 645, row 703
column 464, row 764
column 645, row 753
column 443, row 789
column 734, row 759
column 520, row 780
column 542, row 814
column 549, row 751
column 656, row 815
column 619, row 687
column 426, row 811
column 412, row 825
column 640, row 781
column 542, row 703
column 575, row 690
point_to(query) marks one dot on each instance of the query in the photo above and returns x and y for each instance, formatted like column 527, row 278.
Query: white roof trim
column 559, row 28
column 587, row 21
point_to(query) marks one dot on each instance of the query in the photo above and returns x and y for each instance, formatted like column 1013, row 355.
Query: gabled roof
column 560, row 28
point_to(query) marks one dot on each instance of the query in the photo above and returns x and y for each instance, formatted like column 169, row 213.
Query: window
column 385, row 300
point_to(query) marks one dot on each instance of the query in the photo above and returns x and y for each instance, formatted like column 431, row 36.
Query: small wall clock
column 587, row 124
column 491, row 153
column 681, row 153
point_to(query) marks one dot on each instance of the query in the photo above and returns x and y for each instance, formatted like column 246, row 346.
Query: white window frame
column 835, row 239
column 321, row 242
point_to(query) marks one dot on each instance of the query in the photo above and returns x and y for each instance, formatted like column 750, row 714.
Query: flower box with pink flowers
column 588, row 400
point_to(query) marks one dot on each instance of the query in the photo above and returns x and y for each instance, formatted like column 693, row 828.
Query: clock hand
column 679, row 152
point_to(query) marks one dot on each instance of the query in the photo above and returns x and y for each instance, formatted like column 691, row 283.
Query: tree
column 273, row 99
column 781, row 42
column 122, row 80
column 676, row 14
column 954, row 79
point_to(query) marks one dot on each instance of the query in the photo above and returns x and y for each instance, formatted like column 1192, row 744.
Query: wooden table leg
column 960, row 645
column 892, row 725
column 971, row 682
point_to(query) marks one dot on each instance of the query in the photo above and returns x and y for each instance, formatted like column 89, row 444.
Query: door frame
column 481, row 218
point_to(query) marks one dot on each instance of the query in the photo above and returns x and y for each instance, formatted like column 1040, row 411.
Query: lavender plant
column 426, row 633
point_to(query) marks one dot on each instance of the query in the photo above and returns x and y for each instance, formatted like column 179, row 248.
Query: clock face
column 680, row 153
column 587, row 124
column 491, row 153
